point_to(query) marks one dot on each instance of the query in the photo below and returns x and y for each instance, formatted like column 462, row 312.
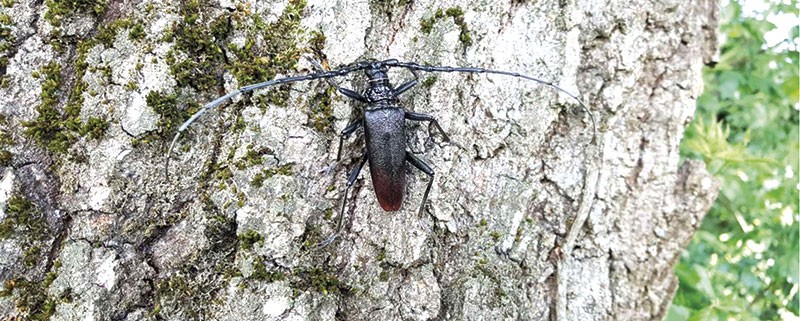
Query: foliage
column 743, row 262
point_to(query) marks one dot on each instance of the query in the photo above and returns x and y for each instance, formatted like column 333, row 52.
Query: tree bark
column 529, row 218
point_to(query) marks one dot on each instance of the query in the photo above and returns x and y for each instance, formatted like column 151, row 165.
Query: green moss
column 57, row 130
column 185, row 292
column 136, row 32
column 6, row 157
column 7, row 40
column 279, row 52
column 426, row 25
column 240, row 199
column 261, row 273
column 48, row 129
column 52, row 275
column 428, row 82
column 317, row 42
column 285, row 170
column 249, row 238
column 105, row 71
column 258, row 180
column 458, row 17
column 6, row 33
column 107, row 33
column 496, row 235
column 321, row 117
column 199, row 43
column 166, row 106
column 8, row 288
column 149, row 8
column 95, row 127
column 57, row 10
column 31, row 256
column 23, row 219
column 223, row 173
column 199, row 57
column 8, row 3
column 279, row 96
column 317, row 279
column 253, row 157
column 33, row 299
column 131, row 85
column 171, row 115
column 386, row 7
column 455, row 12
column 483, row 222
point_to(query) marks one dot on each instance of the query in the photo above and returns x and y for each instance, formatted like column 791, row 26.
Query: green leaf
column 743, row 262
column 729, row 84
column 706, row 314
column 677, row 313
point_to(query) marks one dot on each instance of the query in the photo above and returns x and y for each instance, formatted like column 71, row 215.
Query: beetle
column 383, row 121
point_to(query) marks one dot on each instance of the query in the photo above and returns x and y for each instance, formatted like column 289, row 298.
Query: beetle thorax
column 379, row 89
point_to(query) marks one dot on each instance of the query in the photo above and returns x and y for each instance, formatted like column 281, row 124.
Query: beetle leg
column 410, row 115
column 346, row 132
column 406, row 86
column 348, row 93
column 351, row 94
column 418, row 67
column 350, row 181
column 249, row 88
column 344, row 91
column 425, row 168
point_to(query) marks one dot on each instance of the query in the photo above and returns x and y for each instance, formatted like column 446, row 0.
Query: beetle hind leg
column 350, row 181
column 425, row 168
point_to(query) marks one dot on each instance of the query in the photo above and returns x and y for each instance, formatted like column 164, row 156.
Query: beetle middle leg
column 346, row 132
column 410, row 115
column 425, row 168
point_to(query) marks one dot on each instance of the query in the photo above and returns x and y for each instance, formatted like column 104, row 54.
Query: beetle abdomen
column 386, row 150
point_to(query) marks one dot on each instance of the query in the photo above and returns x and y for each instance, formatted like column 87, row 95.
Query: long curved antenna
column 320, row 75
column 416, row 66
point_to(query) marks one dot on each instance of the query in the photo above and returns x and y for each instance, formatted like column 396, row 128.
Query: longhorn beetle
column 384, row 125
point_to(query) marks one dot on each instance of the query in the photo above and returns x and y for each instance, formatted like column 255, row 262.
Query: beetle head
column 377, row 71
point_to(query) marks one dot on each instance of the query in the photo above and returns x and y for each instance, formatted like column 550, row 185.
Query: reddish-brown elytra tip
column 389, row 191
column 391, row 205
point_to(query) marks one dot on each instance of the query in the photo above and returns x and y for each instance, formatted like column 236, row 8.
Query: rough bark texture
column 95, row 231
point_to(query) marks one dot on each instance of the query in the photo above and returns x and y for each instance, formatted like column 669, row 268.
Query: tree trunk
column 528, row 218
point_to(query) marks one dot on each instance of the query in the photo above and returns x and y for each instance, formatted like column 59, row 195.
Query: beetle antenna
column 416, row 66
column 320, row 75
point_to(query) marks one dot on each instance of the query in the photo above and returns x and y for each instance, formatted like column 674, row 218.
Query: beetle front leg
column 344, row 91
column 408, row 85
